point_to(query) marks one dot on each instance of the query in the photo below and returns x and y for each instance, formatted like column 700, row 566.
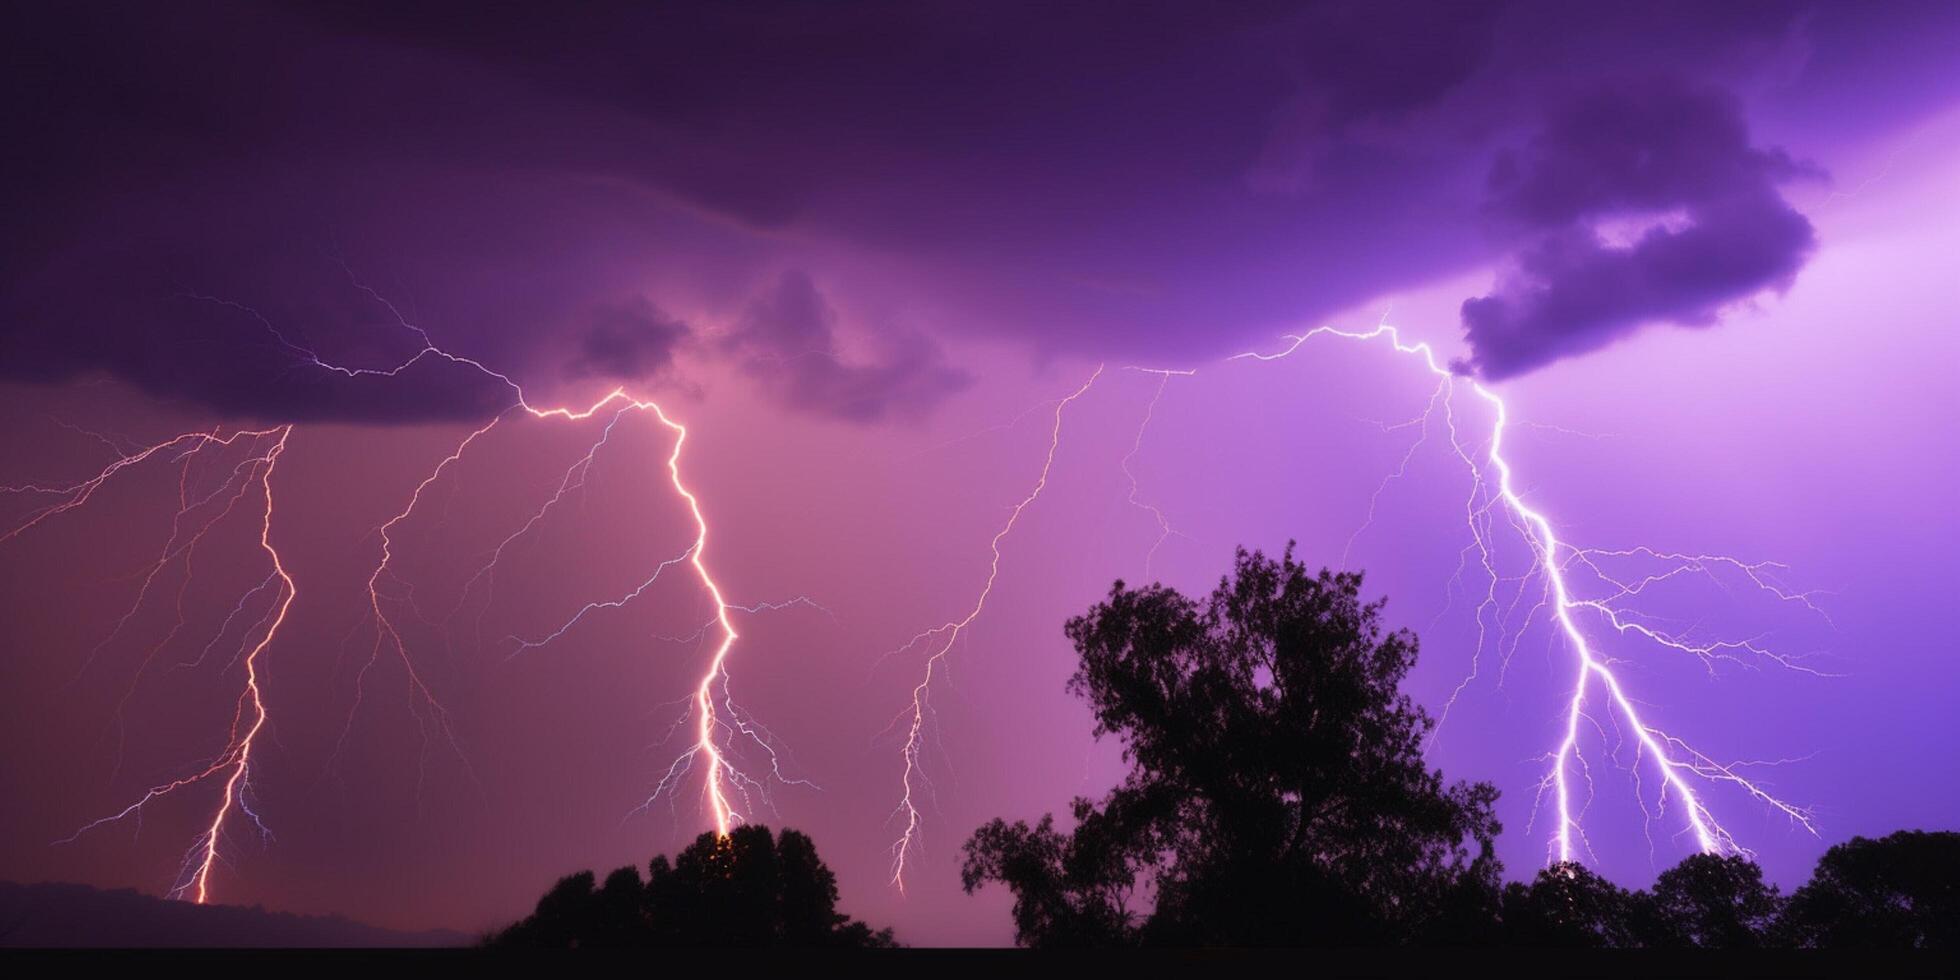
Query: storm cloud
column 788, row 342
column 631, row 341
column 1660, row 151
column 1157, row 181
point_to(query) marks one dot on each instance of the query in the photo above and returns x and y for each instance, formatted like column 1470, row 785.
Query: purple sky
column 1703, row 253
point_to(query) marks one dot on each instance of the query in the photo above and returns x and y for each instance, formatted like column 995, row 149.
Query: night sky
column 863, row 252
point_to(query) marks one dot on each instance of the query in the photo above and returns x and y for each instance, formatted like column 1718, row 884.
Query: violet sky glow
column 860, row 251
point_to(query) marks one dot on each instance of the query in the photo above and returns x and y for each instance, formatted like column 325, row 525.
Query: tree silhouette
column 1277, row 791
column 1568, row 906
column 1711, row 901
column 1902, row 890
column 750, row 888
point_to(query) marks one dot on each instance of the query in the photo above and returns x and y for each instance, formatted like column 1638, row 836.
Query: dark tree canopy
column 1566, row 907
column 1710, row 901
column 1277, row 792
column 751, row 888
column 1902, row 890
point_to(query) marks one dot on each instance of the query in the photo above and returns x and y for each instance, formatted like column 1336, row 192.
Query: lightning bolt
column 1493, row 494
column 940, row 640
column 1674, row 759
column 387, row 635
column 1164, row 529
column 718, row 720
column 717, row 723
column 233, row 763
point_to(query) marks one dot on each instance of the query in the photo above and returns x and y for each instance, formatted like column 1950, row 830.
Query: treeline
column 1897, row 892
column 1277, row 796
column 751, row 888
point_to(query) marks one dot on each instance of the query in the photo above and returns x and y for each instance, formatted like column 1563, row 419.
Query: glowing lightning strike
column 718, row 665
column 715, row 711
column 234, row 761
column 946, row 634
column 714, row 716
column 1674, row 759
column 710, row 720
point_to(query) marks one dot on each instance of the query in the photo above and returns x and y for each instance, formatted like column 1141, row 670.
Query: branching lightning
column 728, row 791
column 232, row 766
column 940, row 639
column 1493, row 496
column 1164, row 529
column 717, row 719
column 718, row 725
column 1675, row 760
column 385, row 632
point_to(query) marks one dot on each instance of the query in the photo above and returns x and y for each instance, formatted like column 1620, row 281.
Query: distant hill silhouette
column 67, row 915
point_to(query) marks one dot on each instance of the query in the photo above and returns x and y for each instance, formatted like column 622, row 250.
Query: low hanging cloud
column 1662, row 151
column 787, row 342
column 630, row 341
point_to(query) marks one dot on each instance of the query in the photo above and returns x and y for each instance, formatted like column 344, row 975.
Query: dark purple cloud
column 788, row 342
column 1662, row 150
column 1159, row 181
column 631, row 341
column 1362, row 69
